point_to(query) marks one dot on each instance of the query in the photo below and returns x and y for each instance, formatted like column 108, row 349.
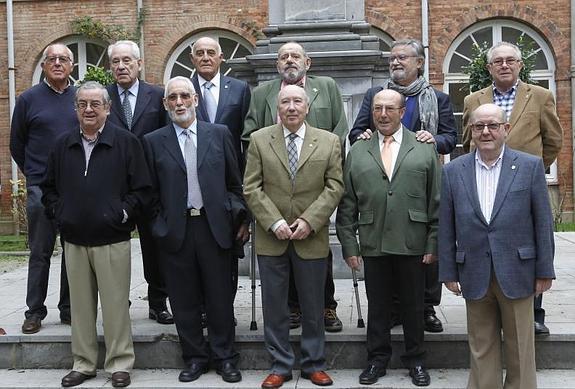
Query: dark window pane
column 484, row 35
column 456, row 64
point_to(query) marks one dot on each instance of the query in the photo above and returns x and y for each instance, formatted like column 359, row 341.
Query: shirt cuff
column 277, row 224
column 125, row 218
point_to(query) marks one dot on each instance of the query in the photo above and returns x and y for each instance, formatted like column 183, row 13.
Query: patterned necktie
column 194, row 193
column 210, row 101
column 127, row 108
column 292, row 155
column 386, row 155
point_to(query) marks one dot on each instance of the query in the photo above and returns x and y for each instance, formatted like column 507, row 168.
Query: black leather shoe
column 330, row 321
column 395, row 321
column 74, row 378
column 419, row 376
column 294, row 320
column 193, row 372
column 65, row 318
column 31, row 325
column 370, row 375
column 432, row 323
column 121, row 379
column 161, row 316
column 540, row 328
column 229, row 372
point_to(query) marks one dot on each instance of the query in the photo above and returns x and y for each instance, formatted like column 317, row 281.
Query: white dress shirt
column 215, row 89
column 487, row 179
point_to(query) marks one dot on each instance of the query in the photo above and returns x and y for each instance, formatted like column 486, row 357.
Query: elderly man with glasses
column 530, row 111
column 41, row 115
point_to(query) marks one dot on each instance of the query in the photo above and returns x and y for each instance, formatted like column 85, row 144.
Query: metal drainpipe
column 12, row 100
column 573, row 93
column 425, row 35
column 139, row 7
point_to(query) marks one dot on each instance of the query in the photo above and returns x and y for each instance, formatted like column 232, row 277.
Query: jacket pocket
column 365, row 217
column 460, row 257
column 526, row 253
column 418, row 216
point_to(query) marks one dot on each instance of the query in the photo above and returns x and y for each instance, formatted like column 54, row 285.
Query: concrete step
column 168, row 378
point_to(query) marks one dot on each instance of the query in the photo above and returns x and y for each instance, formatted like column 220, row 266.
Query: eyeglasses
column 62, row 59
column 95, row 105
column 386, row 108
column 508, row 61
column 401, row 58
column 173, row 97
column 492, row 127
column 126, row 61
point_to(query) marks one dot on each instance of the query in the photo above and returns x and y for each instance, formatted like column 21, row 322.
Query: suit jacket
column 218, row 175
column 149, row 113
column 325, row 106
column 396, row 217
column 233, row 106
column 313, row 197
column 446, row 137
column 517, row 244
column 535, row 127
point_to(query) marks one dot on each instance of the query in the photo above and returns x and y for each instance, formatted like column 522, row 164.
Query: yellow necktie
column 386, row 156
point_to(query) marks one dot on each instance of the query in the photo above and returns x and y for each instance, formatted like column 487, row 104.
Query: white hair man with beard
column 196, row 189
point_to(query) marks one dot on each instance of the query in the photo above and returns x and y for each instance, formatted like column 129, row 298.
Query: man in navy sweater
column 42, row 114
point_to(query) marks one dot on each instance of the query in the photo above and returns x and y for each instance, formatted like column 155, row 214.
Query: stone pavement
column 559, row 304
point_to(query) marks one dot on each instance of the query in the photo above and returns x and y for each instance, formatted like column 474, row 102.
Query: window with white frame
column 180, row 63
column 87, row 52
column 459, row 54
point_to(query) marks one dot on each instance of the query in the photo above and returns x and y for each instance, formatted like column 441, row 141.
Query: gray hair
column 185, row 80
column 503, row 44
column 219, row 51
column 416, row 45
column 45, row 52
column 294, row 43
column 133, row 46
column 90, row 85
column 306, row 97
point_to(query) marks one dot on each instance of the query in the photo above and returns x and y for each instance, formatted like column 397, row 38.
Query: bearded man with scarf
column 430, row 115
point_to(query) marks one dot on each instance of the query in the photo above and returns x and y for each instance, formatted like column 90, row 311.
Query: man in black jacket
column 94, row 187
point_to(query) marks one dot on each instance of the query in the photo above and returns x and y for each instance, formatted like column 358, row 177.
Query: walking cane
column 253, row 324
column 360, row 323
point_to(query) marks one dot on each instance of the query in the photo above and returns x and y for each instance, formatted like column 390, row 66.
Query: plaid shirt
column 505, row 100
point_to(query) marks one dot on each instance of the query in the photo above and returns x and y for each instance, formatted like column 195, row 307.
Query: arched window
column 385, row 40
column 180, row 63
column 87, row 52
column 456, row 82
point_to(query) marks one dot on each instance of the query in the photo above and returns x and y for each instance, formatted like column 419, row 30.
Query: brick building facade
column 169, row 24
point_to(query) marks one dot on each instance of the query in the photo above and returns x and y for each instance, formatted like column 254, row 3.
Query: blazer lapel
column 277, row 143
column 375, row 151
column 224, row 95
column 521, row 99
column 272, row 100
column 467, row 174
column 407, row 144
column 141, row 102
column 173, row 147
column 486, row 96
column 201, row 108
column 204, row 141
column 117, row 103
column 308, row 147
column 506, row 177
column 311, row 89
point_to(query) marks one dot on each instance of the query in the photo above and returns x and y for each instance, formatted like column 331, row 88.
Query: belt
column 192, row 212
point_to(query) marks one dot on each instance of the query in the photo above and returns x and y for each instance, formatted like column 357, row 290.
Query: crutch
column 253, row 324
column 360, row 323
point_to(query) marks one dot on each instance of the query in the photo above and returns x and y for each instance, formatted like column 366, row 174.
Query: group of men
column 100, row 161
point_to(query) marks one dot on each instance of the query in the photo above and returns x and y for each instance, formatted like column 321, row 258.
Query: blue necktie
column 210, row 101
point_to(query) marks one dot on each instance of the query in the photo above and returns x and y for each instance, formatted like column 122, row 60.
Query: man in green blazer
column 392, row 197
column 292, row 184
column 325, row 112
column 531, row 113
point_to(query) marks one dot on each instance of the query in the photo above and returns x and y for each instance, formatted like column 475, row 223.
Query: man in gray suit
column 496, row 248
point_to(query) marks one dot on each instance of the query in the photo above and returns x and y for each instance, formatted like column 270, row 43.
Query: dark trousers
column 539, row 312
column 329, row 292
column 309, row 276
column 152, row 271
column 41, row 239
column 201, row 271
column 431, row 293
column 380, row 273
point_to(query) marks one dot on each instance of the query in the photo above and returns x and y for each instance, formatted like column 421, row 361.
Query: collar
column 482, row 163
column 511, row 90
column 299, row 83
column 397, row 136
column 54, row 89
column 98, row 133
column 215, row 80
column 193, row 128
column 300, row 132
column 133, row 89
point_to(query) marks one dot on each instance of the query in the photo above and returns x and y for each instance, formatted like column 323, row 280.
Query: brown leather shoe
column 31, row 325
column 74, row 378
column 275, row 381
column 120, row 379
column 319, row 378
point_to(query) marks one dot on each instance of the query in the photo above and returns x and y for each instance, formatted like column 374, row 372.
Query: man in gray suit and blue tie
column 496, row 248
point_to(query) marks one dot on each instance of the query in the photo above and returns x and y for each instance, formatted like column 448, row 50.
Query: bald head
column 489, row 109
column 489, row 129
column 387, row 109
column 207, row 57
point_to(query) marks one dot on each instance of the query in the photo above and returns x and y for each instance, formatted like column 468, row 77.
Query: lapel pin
column 315, row 90
column 225, row 87
column 512, row 167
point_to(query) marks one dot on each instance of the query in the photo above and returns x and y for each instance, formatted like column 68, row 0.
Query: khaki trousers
column 103, row 270
column 485, row 320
